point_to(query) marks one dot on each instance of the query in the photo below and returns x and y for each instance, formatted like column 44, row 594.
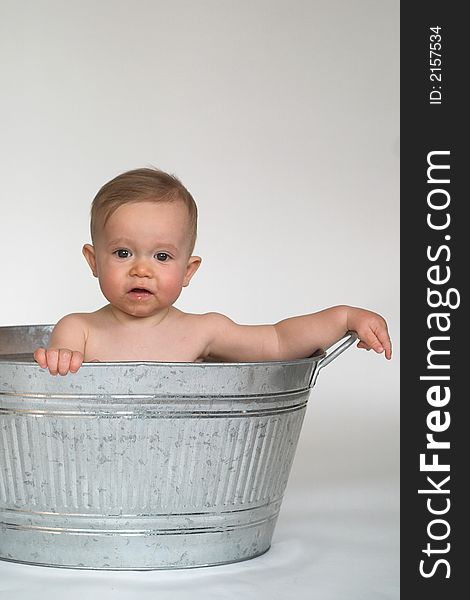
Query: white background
column 281, row 118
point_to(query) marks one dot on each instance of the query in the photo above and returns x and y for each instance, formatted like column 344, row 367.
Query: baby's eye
column 162, row 256
column 122, row 253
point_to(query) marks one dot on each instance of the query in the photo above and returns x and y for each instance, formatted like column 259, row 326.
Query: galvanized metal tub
column 138, row 466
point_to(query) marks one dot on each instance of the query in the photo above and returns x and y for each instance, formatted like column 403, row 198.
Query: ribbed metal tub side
column 144, row 465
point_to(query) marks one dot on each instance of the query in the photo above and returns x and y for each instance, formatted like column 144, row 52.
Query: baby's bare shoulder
column 77, row 321
column 202, row 326
column 72, row 320
column 92, row 321
column 204, row 320
column 70, row 331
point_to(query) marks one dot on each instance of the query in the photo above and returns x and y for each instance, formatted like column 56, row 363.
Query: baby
column 143, row 231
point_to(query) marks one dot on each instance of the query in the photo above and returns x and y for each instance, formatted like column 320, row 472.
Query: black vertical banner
column 434, row 291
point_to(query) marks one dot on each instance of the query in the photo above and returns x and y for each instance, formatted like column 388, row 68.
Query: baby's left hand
column 371, row 329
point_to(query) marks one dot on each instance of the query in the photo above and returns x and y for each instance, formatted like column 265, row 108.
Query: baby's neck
column 127, row 320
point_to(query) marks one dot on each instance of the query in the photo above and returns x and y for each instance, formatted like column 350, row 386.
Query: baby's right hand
column 59, row 360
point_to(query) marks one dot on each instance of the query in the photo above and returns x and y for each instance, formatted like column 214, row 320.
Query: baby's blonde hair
column 139, row 185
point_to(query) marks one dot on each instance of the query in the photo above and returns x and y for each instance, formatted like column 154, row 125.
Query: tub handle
column 349, row 341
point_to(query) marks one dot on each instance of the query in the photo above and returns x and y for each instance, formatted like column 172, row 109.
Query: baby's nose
column 141, row 268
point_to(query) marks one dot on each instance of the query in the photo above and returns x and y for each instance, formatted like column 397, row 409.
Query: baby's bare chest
column 169, row 344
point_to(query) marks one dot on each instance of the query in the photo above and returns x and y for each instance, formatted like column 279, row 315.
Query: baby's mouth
column 140, row 292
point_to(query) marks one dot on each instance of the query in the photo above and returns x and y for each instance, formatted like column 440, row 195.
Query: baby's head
column 143, row 229
column 142, row 185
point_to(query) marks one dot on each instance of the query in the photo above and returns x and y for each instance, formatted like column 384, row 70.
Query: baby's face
column 141, row 257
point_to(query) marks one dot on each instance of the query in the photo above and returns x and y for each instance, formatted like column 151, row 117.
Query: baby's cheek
column 173, row 286
column 105, row 286
column 108, row 288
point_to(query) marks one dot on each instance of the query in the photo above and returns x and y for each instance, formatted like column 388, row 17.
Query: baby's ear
column 89, row 254
column 194, row 262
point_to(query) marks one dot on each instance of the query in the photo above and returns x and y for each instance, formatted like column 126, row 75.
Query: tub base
column 152, row 550
column 164, row 568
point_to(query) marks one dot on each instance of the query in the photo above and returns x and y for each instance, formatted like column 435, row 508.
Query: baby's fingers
column 59, row 360
column 76, row 361
column 383, row 337
column 40, row 357
column 69, row 361
column 52, row 359
column 387, row 345
column 376, row 339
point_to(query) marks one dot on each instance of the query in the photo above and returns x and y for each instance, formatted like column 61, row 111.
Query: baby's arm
column 296, row 337
column 66, row 347
column 326, row 327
